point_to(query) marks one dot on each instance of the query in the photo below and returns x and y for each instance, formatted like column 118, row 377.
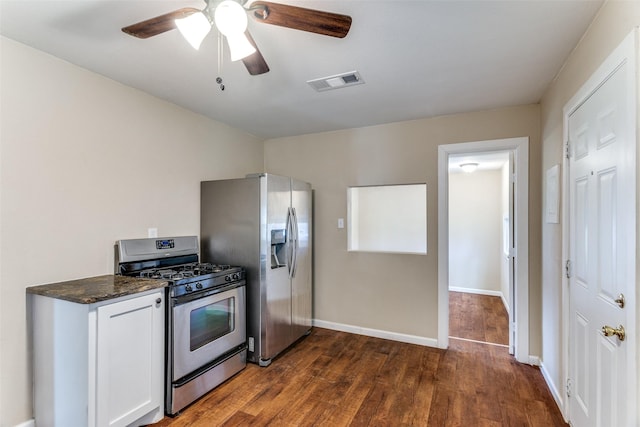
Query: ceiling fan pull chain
column 220, row 48
column 220, row 61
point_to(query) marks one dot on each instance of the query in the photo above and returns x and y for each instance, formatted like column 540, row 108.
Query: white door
column 602, row 214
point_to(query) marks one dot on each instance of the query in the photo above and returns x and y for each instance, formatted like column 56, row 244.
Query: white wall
column 475, row 230
column 85, row 161
column 388, row 218
column 614, row 21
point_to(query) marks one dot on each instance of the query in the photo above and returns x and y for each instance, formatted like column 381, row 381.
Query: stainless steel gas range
column 206, row 315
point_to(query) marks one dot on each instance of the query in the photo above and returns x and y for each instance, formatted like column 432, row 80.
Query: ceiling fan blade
column 159, row 24
column 255, row 62
column 299, row 18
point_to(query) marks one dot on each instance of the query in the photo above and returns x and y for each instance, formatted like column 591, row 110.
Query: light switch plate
column 340, row 222
column 152, row 232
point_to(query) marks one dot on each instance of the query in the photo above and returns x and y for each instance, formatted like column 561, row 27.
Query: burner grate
column 178, row 272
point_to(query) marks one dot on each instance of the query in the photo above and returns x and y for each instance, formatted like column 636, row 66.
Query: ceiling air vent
column 336, row 82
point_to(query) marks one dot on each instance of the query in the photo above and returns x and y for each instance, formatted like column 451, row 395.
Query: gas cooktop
column 177, row 272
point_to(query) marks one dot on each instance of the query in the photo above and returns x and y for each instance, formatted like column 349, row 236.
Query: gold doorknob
column 608, row 331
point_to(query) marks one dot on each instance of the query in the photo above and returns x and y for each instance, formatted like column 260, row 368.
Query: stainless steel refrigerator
column 264, row 223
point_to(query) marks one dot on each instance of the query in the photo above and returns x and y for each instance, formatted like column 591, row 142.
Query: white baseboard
column 505, row 303
column 377, row 333
column 557, row 396
column 30, row 423
column 534, row 360
column 476, row 291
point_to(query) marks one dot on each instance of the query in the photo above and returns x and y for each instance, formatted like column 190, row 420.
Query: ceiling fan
column 230, row 17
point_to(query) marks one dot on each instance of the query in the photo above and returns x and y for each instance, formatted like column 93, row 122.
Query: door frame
column 520, row 148
column 626, row 51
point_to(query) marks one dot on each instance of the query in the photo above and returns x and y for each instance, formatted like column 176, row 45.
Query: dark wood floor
column 334, row 378
column 478, row 317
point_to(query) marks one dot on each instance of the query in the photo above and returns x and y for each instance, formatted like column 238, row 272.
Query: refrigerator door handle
column 296, row 236
column 290, row 248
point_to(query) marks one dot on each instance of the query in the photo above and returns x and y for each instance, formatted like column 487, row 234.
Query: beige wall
column 86, row 161
column 475, row 230
column 614, row 21
column 395, row 293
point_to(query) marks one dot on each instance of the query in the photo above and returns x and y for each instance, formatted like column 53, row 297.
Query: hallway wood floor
column 478, row 317
column 333, row 378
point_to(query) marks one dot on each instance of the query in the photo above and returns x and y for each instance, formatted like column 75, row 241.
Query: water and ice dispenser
column 278, row 251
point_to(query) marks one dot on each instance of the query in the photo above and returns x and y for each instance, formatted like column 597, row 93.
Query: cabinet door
column 129, row 359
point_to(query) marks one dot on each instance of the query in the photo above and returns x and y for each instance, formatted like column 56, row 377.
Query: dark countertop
column 96, row 289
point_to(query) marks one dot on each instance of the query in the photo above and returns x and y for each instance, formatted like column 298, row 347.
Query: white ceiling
column 418, row 58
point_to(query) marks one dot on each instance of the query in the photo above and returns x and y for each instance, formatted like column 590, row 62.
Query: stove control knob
column 227, row 278
column 199, row 285
column 236, row 276
column 188, row 288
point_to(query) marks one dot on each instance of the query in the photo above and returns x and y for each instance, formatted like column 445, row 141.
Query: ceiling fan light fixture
column 239, row 46
column 231, row 18
column 469, row 167
column 194, row 28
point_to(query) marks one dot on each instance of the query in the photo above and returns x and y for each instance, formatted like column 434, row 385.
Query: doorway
column 480, row 218
column 518, row 246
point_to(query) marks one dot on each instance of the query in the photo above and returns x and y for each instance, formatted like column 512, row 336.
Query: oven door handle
column 187, row 298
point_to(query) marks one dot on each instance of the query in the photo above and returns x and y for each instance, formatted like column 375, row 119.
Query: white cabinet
column 99, row 364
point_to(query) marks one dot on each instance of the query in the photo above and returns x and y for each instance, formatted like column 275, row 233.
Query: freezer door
column 301, row 282
column 276, row 314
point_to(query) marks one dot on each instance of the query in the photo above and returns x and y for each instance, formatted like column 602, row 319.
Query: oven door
column 206, row 327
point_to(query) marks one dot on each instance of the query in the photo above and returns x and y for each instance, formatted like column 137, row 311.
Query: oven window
column 211, row 322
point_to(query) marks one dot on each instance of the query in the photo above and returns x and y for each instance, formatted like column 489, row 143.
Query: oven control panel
column 165, row 244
